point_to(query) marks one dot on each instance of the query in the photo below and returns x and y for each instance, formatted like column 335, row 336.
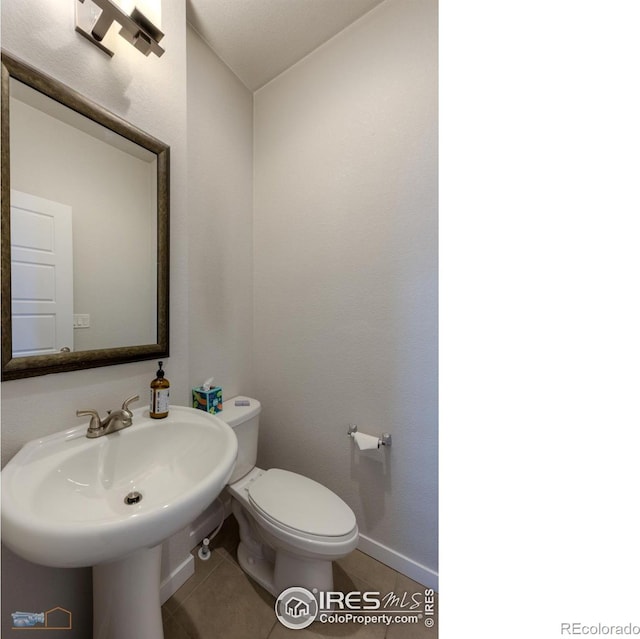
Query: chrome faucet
column 114, row 421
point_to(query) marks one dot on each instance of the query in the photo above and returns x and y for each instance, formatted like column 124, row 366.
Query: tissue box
column 209, row 400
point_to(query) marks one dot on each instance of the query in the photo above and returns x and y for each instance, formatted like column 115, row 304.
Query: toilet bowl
column 291, row 527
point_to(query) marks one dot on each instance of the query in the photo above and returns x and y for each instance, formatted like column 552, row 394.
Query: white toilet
column 291, row 527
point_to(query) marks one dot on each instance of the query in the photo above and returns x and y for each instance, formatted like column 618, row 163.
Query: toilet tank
column 244, row 421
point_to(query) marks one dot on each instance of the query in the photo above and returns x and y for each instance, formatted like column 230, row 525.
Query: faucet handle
column 133, row 398
column 94, row 424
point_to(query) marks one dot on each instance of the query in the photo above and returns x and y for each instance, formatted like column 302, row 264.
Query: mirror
column 85, row 231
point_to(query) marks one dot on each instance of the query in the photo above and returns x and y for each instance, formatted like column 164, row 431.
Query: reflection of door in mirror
column 41, row 275
column 111, row 185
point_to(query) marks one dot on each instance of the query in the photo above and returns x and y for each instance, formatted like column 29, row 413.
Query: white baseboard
column 177, row 577
column 402, row 564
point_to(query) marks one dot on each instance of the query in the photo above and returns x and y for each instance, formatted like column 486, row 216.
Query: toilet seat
column 301, row 506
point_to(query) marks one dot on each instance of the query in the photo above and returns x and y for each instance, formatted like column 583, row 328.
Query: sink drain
column 132, row 498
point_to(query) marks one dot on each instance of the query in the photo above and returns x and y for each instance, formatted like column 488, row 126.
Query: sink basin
column 63, row 496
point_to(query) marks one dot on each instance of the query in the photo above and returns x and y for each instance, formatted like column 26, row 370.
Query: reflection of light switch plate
column 82, row 320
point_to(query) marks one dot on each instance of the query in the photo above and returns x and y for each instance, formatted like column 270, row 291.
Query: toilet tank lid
column 234, row 415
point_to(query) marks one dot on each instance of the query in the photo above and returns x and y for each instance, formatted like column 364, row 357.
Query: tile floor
column 219, row 600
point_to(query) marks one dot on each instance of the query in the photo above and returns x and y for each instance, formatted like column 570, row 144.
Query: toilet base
column 259, row 569
column 312, row 574
column 276, row 569
column 287, row 571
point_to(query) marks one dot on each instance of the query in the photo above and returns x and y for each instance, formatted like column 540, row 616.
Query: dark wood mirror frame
column 19, row 367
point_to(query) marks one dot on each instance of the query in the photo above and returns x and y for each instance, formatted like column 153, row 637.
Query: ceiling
column 259, row 39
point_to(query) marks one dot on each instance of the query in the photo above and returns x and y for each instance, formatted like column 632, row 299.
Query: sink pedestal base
column 126, row 597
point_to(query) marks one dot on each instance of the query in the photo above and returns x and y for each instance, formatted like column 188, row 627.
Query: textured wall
column 345, row 271
column 220, row 116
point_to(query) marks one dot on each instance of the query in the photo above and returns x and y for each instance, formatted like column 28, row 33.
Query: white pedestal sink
column 64, row 504
column 126, row 596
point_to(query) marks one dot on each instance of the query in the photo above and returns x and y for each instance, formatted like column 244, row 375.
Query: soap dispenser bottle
column 159, row 404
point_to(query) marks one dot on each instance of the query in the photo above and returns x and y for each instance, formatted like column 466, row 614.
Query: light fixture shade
column 138, row 20
column 152, row 9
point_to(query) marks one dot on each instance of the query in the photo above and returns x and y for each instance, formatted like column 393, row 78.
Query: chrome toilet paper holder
column 383, row 440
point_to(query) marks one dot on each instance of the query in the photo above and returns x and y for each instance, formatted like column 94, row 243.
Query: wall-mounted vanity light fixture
column 94, row 18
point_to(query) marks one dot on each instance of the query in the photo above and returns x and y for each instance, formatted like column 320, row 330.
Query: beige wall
column 345, row 274
column 220, row 116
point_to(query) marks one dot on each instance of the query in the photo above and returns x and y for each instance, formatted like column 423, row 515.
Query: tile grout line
column 223, row 557
column 206, row 576
column 272, row 628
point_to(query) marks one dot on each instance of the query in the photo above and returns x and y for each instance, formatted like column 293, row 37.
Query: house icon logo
column 58, row 619
column 296, row 608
